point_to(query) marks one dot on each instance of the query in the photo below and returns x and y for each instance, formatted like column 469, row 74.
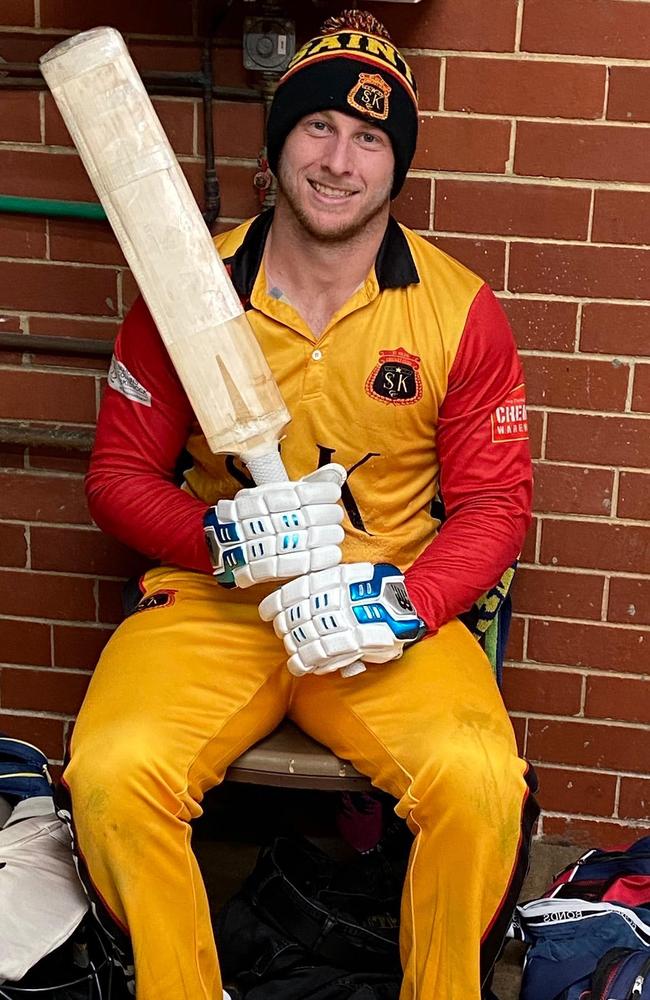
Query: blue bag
column 23, row 770
column 622, row 975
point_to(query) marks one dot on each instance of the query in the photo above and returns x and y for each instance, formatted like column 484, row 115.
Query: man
column 397, row 365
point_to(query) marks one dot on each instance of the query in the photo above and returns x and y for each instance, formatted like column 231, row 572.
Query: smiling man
column 402, row 379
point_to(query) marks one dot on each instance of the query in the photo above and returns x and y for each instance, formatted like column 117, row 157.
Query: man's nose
column 337, row 156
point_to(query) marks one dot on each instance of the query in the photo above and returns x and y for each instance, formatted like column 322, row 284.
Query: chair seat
column 288, row 758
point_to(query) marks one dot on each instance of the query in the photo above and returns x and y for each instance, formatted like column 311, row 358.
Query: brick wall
column 533, row 168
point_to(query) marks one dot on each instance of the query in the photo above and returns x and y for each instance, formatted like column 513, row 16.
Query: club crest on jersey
column 395, row 378
column 510, row 419
column 370, row 95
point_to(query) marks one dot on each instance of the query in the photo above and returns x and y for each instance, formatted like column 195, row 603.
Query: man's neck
column 308, row 270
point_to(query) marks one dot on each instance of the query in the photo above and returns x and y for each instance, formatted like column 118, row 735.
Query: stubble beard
column 347, row 230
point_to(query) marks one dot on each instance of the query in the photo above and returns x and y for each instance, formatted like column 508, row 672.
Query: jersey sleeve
column 485, row 470
column 144, row 422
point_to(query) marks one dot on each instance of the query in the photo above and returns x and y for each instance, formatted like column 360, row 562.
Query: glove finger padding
column 333, row 618
column 277, row 531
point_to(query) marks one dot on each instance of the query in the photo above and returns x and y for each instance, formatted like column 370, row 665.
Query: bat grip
column 267, row 467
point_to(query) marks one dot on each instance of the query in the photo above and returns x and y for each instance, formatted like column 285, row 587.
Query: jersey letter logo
column 370, row 95
column 510, row 419
column 395, row 378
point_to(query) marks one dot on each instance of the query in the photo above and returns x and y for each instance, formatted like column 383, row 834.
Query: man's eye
column 369, row 138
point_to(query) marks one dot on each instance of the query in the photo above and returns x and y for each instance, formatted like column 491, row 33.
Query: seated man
column 401, row 375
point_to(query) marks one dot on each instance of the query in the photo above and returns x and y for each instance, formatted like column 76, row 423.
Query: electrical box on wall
column 269, row 43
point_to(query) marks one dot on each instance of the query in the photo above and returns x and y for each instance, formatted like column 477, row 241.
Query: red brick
column 609, row 329
column 22, row 236
column 20, row 119
column 539, row 324
column 598, row 440
column 476, row 145
column 598, row 647
column 168, row 17
column 45, row 287
column 111, row 611
column 641, row 393
column 11, row 324
column 487, row 258
column 541, row 691
column 592, row 152
column 583, row 832
column 512, row 209
column 569, row 382
column 596, row 272
column 587, row 27
column 65, row 326
column 589, row 744
column 412, row 207
column 78, row 646
column 45, row 595
column 39, row 173
column 17, row 12
column 616, row 698
column 453, row 24
column 13, row 546
column 545, row 592
column 525, row 87
column 238, row 195
column 427, row 73
column 42, row 690
column 530, row 541
column 32, row 497
column 588, row 792
column 570, row 489
column 179, row 55
column 46, row 734
column 25, row 642
column 84, row 242
column 633, row 494
column 238, row 129
column 59, row 460
column 19, row 46
column 596, row 545
column 12, row 456
column 177, row 119
column 82, row 550
column 519, row 727
column 130, row 290
column 629, row 601
column 29, row 395
column 634, row 801
column 515, row 648
column 629, row 87
column 621, row 217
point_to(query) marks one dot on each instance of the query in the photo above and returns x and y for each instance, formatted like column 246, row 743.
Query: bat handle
column 266, row 467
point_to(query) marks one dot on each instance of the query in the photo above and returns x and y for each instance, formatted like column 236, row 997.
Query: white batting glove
column 338, row 617
column 277, row 531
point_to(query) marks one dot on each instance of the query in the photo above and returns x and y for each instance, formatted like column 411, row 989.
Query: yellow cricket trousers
column 184, row 687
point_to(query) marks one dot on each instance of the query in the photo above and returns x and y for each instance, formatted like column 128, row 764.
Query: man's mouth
column 331, row 192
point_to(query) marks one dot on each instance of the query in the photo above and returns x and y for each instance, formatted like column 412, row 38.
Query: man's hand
column 277, row 531
column 337, row 617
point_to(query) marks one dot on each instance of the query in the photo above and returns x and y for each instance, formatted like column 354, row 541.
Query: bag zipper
column 639, row 982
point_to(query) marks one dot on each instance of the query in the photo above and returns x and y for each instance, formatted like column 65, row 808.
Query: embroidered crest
column 510, row 419
column 121, row 379
column 370, row 95
column 395, row 378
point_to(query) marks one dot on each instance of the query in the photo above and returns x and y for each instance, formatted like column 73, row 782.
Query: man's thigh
column 402, row 723
column 190, row 682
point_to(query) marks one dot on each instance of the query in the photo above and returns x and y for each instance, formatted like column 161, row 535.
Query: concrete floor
column 226, row 861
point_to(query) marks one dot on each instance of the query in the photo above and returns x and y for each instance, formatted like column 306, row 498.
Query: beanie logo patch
column 370, row 96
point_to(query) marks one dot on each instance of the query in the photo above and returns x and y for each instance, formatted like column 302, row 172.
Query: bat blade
column 167, row 245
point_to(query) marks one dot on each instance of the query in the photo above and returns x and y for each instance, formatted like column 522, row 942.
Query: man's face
column 336, row 174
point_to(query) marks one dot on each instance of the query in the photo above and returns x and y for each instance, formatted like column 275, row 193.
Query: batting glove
column 277, row 531
column 333, row 619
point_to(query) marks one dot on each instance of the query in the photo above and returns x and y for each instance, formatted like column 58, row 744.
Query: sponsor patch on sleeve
column 510, row 419
column 121, row 379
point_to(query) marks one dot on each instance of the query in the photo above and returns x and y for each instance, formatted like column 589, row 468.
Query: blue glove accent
column 383, row 592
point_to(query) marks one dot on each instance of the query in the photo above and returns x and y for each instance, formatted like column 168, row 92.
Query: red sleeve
column 485, row 470
column 143, row 425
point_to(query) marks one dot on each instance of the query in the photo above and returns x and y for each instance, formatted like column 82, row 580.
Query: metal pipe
column 51, row 207
column 85, row 347
column 54, row 436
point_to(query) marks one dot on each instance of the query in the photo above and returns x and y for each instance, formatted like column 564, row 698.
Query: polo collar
column 394, row 266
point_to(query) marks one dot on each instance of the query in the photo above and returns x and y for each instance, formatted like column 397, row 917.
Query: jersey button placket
column 315, row 373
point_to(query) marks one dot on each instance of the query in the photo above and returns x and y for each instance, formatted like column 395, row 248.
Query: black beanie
column 358, row 71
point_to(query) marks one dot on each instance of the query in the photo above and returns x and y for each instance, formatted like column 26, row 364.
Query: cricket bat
column 168, row 247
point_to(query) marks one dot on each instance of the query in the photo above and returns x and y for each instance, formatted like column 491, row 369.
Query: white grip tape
column 266, row 468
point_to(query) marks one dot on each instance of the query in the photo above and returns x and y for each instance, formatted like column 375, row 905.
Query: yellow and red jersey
column 414, row 386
